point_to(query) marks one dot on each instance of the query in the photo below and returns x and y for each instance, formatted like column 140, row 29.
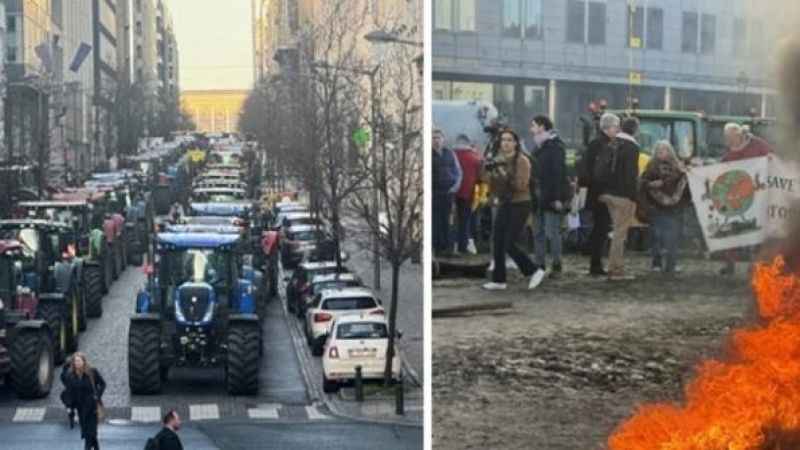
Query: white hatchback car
column 333, row 304
column 355, row 341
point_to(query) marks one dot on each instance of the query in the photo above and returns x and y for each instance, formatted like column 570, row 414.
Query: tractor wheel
column 317, row 347
column 328, row 386
column 83, row 322
column 107, row 261
column 135, row 255
column 31, row 363
column 50, row 312
column 116, row 261
column 93, row 276
column 241, row 376
column 273, row 275
column 123, row 251
column 144, row 366
column 73, row 320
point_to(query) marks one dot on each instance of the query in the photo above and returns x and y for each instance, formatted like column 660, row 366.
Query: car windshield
column 344, row 304
column 307, row 235
column 339, row 284
column 678, row 132
column 302, row 221
column 200, row 265
column 362, row 330
column 208, row 220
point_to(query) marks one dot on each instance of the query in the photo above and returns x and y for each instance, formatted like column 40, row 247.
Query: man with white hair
column 741, row 145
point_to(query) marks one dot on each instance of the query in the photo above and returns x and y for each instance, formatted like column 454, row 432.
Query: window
column 139, row 27
column 576, row 13
column 443, row 15
column 472, row 91
column 466, row 15
column 441, row 90
column 138, row 51
column 597, row 23
column 655, row 28
column 636, row 27
column 11, row 54
column 511, row 19
column 739, row 35
column 504, row 99
column 535, row 101
column 533, row 19
column 689, row 38
column 138, row 5
column 454, row 15
column 11, row 24
column 708, row 34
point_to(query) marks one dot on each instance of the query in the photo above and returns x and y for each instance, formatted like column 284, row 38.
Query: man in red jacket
column 471, row 162
column 741, row 145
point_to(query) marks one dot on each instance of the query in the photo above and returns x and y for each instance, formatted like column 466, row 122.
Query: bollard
column 398, row 398
column 359, row 382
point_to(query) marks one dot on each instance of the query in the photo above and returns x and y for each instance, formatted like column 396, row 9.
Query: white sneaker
column 536, row 279
column 471, row 249
column 492, row 286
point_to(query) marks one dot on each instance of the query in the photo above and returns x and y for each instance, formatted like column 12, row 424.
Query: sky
column 214, row 43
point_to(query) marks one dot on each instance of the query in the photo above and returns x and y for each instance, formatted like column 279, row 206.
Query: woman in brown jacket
column 509, row 178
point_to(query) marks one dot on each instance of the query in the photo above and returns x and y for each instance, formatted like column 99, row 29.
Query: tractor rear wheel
column 244, row 342
column 50, row 312
column 144, row 366
column 107, row 261
column 32, row 364
column 93, row 275
column 73, row 320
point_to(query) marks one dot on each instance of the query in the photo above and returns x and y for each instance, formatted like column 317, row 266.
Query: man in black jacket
column 600, row 217
column 620, row 193
column 167, row 438
column 551, row 173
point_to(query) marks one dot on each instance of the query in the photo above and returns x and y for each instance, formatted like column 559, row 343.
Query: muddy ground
column 574, row 358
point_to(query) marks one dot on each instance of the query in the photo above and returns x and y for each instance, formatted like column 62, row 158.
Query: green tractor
column 49, row 270
column 88, row 249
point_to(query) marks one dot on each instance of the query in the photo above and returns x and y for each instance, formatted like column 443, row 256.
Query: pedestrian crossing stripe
column 314, row 414
column 29, row 415
column 204, row 412
column 146, row 413
column 265, row 411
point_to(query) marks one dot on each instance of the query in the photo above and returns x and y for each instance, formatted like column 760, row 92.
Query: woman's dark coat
column 83, row 397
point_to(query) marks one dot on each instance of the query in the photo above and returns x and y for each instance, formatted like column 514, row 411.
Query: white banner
column 742, row 203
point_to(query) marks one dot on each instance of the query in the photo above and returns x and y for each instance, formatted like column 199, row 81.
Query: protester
column 470, row 161
column 741, row 145
column 84, row 386
column 663, row 186
column 617, row 166
column 601, row 220
column 167, row 438
column 509, row 176
column 552, row 184
column 446, row 181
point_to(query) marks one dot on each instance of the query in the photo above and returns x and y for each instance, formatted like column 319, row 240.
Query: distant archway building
column 214, row 111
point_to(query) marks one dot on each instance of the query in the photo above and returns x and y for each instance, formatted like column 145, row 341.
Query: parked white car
column 331, row 305
column 354, row 341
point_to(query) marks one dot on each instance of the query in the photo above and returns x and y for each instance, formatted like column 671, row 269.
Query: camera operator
column 509, row 176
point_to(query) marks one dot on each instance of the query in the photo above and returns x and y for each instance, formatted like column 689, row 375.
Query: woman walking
column 85, row 387
column 663, row 185
column 509, row 176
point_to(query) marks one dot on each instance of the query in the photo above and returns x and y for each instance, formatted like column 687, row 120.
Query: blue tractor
column 196, row 311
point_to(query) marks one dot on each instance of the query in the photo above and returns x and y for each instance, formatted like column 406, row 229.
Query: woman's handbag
column 101, row 409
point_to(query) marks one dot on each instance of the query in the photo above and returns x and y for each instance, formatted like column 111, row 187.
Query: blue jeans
column 442, row 204
column 466, row 223
column 548, row 228
column 665, row 227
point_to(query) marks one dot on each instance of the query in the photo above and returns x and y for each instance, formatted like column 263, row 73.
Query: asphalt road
column 221, row 435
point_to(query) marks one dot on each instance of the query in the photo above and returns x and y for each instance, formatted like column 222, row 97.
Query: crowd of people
column 533, row 188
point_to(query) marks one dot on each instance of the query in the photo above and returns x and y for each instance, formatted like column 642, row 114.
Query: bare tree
column 398, row 179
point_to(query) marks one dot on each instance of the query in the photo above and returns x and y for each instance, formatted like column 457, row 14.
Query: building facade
column 105, row 80
column 554, row 57
column 214, row 111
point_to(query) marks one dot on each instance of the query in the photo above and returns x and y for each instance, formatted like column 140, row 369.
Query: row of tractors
column 60, row 254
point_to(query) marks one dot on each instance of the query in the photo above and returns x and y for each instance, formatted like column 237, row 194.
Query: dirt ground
column 574, row 358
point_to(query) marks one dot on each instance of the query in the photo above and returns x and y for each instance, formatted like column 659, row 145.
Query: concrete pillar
column 668, row 99
column 763, row 105
column 551, row 101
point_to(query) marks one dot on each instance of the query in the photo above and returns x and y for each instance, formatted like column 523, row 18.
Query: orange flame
column 751, row 401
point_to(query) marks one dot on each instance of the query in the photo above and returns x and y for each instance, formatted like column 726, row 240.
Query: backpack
column 605, row 164
column 152, row 444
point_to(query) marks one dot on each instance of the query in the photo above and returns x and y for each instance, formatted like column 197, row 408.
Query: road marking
column 313, row 413
column 146, row 413
column 204, row 412
column 29, row 415
column 264, row 411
